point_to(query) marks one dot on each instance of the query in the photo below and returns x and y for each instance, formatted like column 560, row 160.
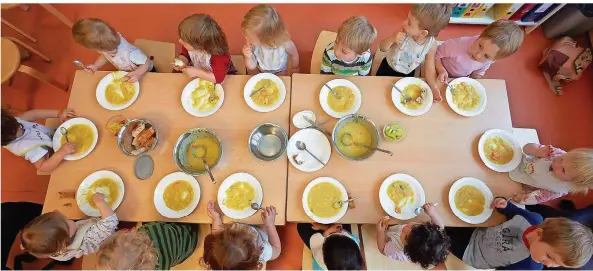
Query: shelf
column 486, row 20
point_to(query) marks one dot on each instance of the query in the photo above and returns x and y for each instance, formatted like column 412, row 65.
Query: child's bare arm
column 442, row 74
column 293, row 53
column 382, row 226
column 250, row 61
column 391, row 40
column 431, row 210
column 46, row 164
column 215, row 215
column 268, row 217
column 39, row 114
column 100, row 62
column 537, row 150
column 104, row 209
column 194, row 72
column 136, row 74
column 431, row 74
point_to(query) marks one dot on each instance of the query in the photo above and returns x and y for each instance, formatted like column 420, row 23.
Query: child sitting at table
column 472, row 56
column 334, row 247
column 240, row 246
column 205, row 51
column 350, row 53
column 268, row 45
column 425, row 244
column 548, row 173
column 33, row 141
column 53, row 235
column 98, row 36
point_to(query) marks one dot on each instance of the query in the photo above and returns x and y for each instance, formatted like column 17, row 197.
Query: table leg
column 58, row 14
column 41, row 76
column 17, row 41
column 18, row 30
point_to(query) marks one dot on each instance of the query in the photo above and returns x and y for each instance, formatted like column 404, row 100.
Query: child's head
column 500, row 39
column 201, row 32
column 264, row 26
column 575, row 166
column 127, row 250
column 427, row 19
column 426, row 244
column 48, row 234
column 11, row 128
column 96, row 35
column 340, row 252
column 355, row 37
column 562, row 242
column 234, row 246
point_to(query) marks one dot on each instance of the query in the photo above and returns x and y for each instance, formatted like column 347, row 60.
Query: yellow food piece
column 178, row 195
column 415, row 92
column 465, row 96
column 239, row 196
column 498, row 150
column 470, row 200
column 204, row 97
column 401, row 193
column 107, row 187
column 119, row 93
column 212, row 151
column 81, row 135
column 114, row 127
column 267, row 96
column 360, row 134
column 321, row 199
column 344, row 103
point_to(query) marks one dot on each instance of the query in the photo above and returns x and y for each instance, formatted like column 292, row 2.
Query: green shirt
column 330, row 64
column 175, row 242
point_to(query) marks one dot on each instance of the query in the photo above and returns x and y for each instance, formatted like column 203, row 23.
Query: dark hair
column 428, row 244
column 10, row 127
column 341, row 253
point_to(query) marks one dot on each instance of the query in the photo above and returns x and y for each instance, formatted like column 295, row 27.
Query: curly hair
column 127, row 250
column 47, row 234
column 427, row 244
column 233, row 247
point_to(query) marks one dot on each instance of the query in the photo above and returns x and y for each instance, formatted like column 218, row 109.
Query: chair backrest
column 325, row 37
column 162, row 52
column 239, row 63
column 379, row 56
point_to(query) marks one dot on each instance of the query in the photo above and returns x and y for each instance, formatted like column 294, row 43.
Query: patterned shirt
column 175, row 242
column 89, row 236
column 330, row 64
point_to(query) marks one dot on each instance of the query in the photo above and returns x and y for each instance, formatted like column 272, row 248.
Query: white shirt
column 316, row 243
column 270, row 59
column 409, row 55
column 35, row 142
column 267, row 252
column 127, row 56
column 89, row 236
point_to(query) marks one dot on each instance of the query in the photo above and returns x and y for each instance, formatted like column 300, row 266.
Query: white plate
column 338, row 83
column 316, row 142
column 511, row 140
column 306, row 205
column 103, row 85
column 159, row 202
column 479, row 88
column 230, row 180
column 388, row 204
column 81, row 201
column 250, row 87
column 299, row 119
column 396, row 96
column 186, row 100
column 58, row 137
column 487, row 194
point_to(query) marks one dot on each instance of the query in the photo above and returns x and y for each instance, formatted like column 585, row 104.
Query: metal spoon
column 199, row 151
column 339, row 204
column 333, row 91
column 78, row 64
column 64, row 132
column 407, row 97
column 420, row 210
column 348, row 140
column 255, row 92
column 301, row 146
column 256, row 207
column 317, row 126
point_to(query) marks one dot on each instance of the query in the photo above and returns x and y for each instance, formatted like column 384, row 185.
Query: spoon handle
column 318, row 160
column 209, row 172
column 255, row 92
column 332, row 91
column 377, row 149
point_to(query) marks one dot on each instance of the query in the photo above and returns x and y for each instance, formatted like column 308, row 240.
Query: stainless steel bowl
column 267, row 142
column 124, row 137
column 367, row 123
column 184, row 141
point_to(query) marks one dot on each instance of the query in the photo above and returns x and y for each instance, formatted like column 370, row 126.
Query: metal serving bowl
column 124, row 137
column 267, row 142
column 367, row 123
column 184, row 141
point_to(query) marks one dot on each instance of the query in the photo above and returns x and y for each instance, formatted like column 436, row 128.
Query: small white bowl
column 299, row 119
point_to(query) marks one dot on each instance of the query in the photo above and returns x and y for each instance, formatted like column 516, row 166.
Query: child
column 548, row 173
column 523, row 241
column 268, row 45
column 334, row 247
column 425, row 244
column 350, row 54
column 98, row 36
column 407, row 49
column 33, row 141
column 53, row 235
column 472, row 56
column 240, row 246
column 204, row 52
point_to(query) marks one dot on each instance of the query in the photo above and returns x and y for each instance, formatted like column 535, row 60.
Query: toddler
column 425, row 244
column 268, row 45
column 472, row 56
column 98, row 36
column 33, row 141
column 350, row 54
column 53, row 235
column 415, row 43
column 334, row 247
column 240, row 246
column 205, row 51
column 548, row 173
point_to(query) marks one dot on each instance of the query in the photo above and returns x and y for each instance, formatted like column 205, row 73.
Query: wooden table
column 440, row 148
column 159, row 102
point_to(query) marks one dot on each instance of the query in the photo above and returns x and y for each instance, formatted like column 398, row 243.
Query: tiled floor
column 565, row 121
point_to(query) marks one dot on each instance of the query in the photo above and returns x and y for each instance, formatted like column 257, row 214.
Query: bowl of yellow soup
column 192, row 146
column 499, row 150
column 419, row 93
column 470, row 200
column 320, row 197
column 137, row 136
column 202, row 98
column 400, row 194
column 105, row 182
column 81, row 132
column 346, row 100
column 176, row 195
column 466, row 96
column 236, row 194
column 114, row 93
column 264, row 92
column 362, row 131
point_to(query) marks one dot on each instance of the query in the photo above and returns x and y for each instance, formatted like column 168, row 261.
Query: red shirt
column 221, row 65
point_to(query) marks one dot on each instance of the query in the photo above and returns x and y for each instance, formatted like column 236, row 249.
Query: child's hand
column 333, row 228
column 499, row 203
column 247, row 51
column 382, row 225
column 443, row 76
column 544, row 151
column 268, row 216
column 430, row 209
column 66, row 114
column 400, row 36
column 98, row 198
column 68, row 148
column 317, row 226
column 91, row 68
column 436, row 94
column 214, row 213
column 133, row 76
column 191, row 71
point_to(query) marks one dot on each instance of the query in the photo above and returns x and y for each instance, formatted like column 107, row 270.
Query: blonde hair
column 47, row 234
column 268, row 25
column 128, row 250
column 203, row 33
column 581, row 160
column 95, row 34
column 432, row 17
column 506, row 34
column 357, row 33
column 234, row 246
column 571, row 239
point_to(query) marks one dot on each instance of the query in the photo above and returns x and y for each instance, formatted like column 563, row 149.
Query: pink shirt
column 454, row 54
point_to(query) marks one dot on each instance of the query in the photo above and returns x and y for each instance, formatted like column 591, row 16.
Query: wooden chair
column 325, row 37
column 377, row 59
column 239, row 63
column 24, row 7
column 163, row 53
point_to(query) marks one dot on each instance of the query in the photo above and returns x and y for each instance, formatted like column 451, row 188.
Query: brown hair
column 47, row 234
column 10, row 127
column 234, row 246
column 571, row 239
column 357, row 33
column 581, row 160
column 506, row 34
column 127, row 250
column 432, row 17
column 268, row 25
column 203, row 33
column 95, row 34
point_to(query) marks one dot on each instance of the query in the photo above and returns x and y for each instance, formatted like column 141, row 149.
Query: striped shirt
column 175, row 242
column 330, row 64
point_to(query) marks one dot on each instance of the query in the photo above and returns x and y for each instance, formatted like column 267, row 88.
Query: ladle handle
column 377, row 149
